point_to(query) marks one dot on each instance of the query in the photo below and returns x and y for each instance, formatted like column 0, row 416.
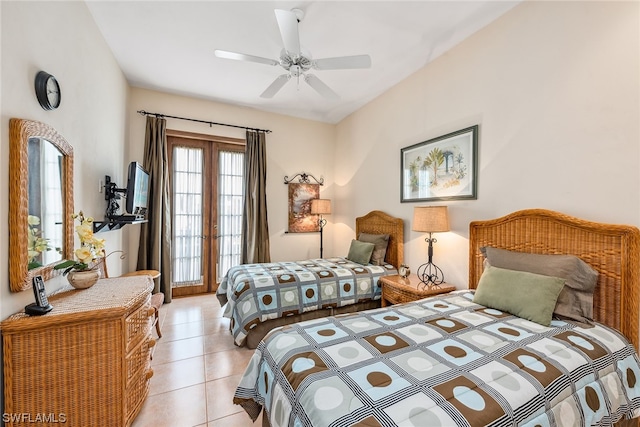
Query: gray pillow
column 360, row 252
column 576, row 299
column 381, row 241
column 527, row 295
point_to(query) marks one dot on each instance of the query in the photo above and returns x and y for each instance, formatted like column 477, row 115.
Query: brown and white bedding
column 441, row 361
column 260, row 297
column 454, row 361
column 255, row 293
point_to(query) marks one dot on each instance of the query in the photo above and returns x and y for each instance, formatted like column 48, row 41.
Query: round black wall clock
column 47, row 91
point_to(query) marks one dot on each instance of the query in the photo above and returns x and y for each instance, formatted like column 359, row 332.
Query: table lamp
column 430, row 219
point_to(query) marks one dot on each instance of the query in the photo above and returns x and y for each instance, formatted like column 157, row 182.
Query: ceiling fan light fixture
column 296, row 60
column 303, row 61
column 285, row 60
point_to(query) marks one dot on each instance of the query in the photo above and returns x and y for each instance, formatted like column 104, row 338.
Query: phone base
column 34, row 309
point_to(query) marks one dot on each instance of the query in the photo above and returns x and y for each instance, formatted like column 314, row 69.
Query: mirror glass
column 45, row 201
column 40, row 202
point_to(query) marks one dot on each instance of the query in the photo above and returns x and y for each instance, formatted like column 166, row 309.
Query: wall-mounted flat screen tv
column 137, row 190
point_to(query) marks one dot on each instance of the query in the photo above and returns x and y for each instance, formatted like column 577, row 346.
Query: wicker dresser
column 85, row 363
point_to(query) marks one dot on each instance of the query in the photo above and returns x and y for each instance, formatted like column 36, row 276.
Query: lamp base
column 321, row 223
column 430, row 275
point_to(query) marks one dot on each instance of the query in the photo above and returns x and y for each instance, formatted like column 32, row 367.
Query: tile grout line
column 206, row 389
column 205, row 305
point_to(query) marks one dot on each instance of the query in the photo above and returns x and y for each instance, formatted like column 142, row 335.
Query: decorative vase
column 83, row 279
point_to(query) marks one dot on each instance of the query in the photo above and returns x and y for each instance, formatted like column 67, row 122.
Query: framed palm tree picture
column 442, row 168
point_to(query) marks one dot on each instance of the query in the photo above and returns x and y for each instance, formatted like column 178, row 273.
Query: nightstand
column 396, row 289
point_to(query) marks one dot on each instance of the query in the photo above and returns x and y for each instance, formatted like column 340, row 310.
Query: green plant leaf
column 65, row 264
column 33, row 265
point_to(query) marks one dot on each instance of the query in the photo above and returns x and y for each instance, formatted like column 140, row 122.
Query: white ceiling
column 168, row 46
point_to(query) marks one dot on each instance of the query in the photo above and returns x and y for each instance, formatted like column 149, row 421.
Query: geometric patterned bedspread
column 258, row 292
column 441, row 361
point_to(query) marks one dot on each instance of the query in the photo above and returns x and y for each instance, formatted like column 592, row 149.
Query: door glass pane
column 230, row 188
column 188, row 169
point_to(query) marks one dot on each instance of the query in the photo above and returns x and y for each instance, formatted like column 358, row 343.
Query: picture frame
column 300, row 218
column 442, row 168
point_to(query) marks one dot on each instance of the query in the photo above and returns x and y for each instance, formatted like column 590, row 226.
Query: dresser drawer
column 136, row 393
column 138, row 325
column 138, row 360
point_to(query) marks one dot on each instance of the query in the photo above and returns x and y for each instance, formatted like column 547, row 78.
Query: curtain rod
column 146, row 113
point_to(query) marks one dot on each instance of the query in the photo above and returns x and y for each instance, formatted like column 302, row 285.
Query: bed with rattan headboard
column 452, row 360
column 612, row 250
column 378, row 222
column 374, row 222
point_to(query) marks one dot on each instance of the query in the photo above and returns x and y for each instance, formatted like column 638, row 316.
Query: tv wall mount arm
column 111, row 195
column 114, row 220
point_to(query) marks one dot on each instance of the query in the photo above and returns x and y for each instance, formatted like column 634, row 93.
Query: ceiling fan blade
column 343, row 62
column 320, row 87
column 288, row 24
column 274, row 87
column 244, row 57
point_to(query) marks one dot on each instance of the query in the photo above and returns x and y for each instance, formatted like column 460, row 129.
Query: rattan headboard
column 612, row 250
column 377, row 222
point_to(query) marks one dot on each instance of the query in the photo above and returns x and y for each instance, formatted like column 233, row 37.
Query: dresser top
column 111, row 297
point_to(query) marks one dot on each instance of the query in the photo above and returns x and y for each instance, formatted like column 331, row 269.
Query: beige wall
column 295, row 145
column 62, row 39
column 554, row 87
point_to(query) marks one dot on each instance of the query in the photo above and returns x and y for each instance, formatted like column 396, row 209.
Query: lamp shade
column 321, row 206
column 430, row 219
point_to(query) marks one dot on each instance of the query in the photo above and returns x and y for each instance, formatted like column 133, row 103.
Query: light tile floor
column 196, row 369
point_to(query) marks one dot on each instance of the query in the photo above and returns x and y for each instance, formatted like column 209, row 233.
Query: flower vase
column 83, row 279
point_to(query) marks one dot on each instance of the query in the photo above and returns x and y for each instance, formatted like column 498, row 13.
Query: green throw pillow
column 576, row 299
column 360, row 252
column 381, row 241
column 527, row 295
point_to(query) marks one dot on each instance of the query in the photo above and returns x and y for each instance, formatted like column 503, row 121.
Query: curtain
column 154, row 251
column 255, row 229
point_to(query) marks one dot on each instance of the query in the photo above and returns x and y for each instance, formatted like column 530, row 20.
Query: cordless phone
column 41, row 306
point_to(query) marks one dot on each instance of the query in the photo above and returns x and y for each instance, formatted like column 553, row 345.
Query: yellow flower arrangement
column 91, row 248
column 36, row 244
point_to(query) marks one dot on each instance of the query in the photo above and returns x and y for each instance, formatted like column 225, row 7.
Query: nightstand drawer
column 398, row 290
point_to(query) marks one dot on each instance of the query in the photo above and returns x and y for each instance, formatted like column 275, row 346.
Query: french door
column 206, row 181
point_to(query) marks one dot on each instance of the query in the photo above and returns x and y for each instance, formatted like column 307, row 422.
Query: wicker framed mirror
column 40, row 201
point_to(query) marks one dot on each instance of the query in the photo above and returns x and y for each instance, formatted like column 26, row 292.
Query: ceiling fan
column 296, row 60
